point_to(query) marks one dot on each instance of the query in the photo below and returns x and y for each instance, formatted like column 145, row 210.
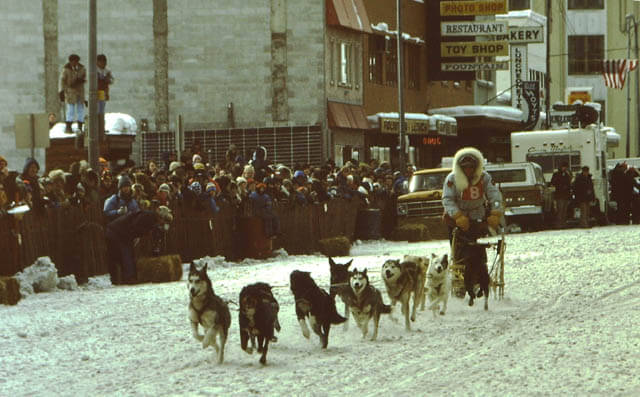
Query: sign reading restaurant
column 461, row 8
column 465, row 28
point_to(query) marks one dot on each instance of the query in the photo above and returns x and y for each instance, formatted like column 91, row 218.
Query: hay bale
column 410, row 232
column 335, row 246
column 159, row 269
column 9, row 291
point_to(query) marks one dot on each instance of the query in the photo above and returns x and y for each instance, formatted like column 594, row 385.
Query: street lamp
column 630, row 21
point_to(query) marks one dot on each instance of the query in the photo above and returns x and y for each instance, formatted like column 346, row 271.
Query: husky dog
column 402, row 280
column 258, row 317
column 438, row 283
column 340, row 285
column 315, row 303
column 423, row 264
column 365, row 302
column 208, row 310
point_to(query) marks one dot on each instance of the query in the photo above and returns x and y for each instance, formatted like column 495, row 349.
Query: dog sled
column 474, row 238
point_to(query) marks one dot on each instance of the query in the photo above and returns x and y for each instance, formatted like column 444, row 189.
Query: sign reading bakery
column 461, row 8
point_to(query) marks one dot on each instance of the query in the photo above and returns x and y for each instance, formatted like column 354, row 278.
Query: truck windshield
column 505, row 176
column 432, row 181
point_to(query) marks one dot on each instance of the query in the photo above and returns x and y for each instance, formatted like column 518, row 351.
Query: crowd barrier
column 74, row 238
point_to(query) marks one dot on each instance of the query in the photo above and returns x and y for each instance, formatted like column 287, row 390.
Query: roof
column 350, row 14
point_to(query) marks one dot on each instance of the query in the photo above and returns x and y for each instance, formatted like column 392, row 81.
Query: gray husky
column 403, row 280
column 208, row 310
column 365, row 302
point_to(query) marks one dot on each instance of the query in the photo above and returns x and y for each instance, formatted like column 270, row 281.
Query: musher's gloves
column 493, row 220
column 462, row 221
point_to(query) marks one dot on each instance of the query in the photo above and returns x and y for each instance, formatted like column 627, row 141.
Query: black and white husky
column 365, row 302
column 438, row 283
column 208, row 310
column 314, row 303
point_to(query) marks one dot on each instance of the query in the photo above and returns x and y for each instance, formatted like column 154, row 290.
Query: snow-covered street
column 569, row 325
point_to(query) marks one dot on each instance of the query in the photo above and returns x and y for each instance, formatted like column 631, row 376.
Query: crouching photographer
column 123, row 233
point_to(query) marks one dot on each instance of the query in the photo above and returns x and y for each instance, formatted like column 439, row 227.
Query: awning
column 344, row 115
column 349, row 14
column 416, row 123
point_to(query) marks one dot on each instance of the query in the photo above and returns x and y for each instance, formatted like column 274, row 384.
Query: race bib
column 474, row 192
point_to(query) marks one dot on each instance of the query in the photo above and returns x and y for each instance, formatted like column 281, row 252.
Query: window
column 551, row 161
column 391, row 63
column 413, row 63
column 515, row 5
column 376, row 57
column 586, row 4
column 506, row 176
column 345, row 64
column 586, row 54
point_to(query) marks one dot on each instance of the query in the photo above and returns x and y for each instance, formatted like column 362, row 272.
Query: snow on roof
column 494, row 112
column 384, row 28
column 528, row 14
column 114, row 124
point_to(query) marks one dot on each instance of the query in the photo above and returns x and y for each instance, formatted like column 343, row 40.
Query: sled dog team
column 420, row 278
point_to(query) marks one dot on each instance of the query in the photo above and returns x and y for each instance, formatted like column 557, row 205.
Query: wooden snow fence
column 74, row 238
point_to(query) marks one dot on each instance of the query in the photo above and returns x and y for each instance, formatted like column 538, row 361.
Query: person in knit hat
column 122, row 202
column 163, row 195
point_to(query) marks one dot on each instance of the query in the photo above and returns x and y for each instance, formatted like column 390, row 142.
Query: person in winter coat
column 259, row 162
column 263, row 208
column 467, row 194
column 72, row 81
column 561, row 180
column 121, row 236
column 28, row 185
column 105, row 79
column 122, row 202
column 584, row 195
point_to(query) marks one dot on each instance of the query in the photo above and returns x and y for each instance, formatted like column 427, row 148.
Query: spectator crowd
column 251, row 187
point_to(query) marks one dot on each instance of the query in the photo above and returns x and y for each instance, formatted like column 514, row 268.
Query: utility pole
column 547, row 78
column 94, row 142
column 637, row 85
column 401, row 133
column 629, row 19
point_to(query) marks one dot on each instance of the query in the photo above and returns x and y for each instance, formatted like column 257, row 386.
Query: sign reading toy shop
column 461, row 8
column 474, row 49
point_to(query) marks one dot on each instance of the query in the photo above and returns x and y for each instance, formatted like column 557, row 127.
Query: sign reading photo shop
column 531, row 95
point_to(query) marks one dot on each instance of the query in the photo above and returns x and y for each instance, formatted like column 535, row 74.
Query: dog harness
column 207, row 300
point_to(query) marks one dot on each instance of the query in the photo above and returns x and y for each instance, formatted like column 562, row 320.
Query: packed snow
column 569, row 325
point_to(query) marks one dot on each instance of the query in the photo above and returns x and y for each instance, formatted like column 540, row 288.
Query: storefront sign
column 531, row 94
column 519, row 72
column 432, row 140
column 523, row 34
column 474, row 49
column 411, row 126
column 464, row 28
column 474, row 67
column 487, row 7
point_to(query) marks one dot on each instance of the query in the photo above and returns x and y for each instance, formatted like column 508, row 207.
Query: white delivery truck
column 578, row 147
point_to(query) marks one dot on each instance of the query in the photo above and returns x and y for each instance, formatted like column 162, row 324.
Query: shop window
column 586, row 54
column 520, row 5
column 586, row 4
column 414, row 69
column 376, row 58
column 346, row 60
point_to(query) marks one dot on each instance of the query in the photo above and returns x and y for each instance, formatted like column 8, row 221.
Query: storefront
column 348, row 125
column 427, row 138
column 487, row 128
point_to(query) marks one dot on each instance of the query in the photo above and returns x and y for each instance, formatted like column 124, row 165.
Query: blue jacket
column 262, row 204
column 114, row 202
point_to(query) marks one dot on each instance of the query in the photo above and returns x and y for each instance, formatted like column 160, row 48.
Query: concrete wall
column 219, row 52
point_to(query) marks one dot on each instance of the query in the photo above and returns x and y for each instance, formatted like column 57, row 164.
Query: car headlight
column 402, row 209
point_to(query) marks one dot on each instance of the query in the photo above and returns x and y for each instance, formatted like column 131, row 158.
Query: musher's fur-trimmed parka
column 459, row 194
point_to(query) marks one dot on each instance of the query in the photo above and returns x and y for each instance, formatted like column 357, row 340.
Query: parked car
column 527, row 199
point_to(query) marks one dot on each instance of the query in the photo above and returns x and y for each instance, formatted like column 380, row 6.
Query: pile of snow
column 114, row 124
column 42, row 276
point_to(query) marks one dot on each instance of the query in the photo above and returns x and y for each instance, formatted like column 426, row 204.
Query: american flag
column 615, row 71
